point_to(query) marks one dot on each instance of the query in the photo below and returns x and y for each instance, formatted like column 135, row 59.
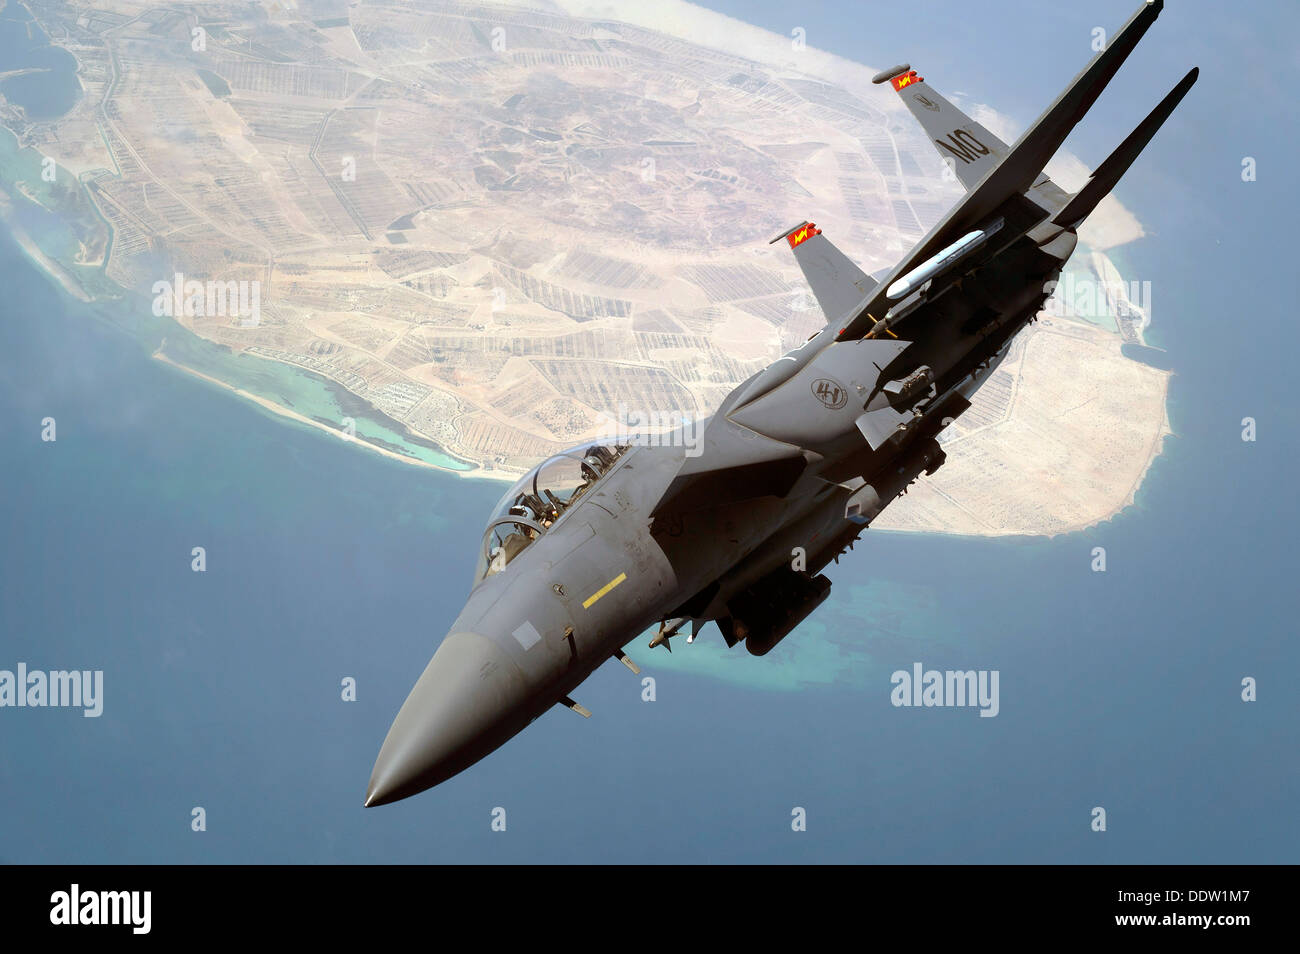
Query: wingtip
column 884, row 76
column 788, row 231
column 1186, row 83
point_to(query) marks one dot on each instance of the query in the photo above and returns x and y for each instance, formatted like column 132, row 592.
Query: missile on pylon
column 941, row 261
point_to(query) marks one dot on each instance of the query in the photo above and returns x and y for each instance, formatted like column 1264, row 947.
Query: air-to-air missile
column 597, row 545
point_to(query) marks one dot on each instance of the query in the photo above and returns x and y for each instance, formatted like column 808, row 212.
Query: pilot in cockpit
column 540, row 498
column 518, row 538
column 521, row 509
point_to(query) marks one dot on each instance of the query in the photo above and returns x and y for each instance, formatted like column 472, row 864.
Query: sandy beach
column 53, row 268
column 283, row 411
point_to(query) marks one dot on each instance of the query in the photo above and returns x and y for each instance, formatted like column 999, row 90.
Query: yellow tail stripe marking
column 586, row 604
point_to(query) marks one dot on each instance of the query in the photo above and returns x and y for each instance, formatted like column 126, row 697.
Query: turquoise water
column 300, row 390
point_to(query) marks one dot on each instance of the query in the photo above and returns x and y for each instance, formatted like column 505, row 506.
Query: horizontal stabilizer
column 1117, row 163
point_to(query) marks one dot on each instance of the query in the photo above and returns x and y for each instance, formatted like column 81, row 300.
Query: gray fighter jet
column 597, row 545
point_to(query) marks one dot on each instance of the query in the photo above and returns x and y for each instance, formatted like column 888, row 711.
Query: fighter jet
column 597, row 545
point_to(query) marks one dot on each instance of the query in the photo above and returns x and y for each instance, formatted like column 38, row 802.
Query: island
column 507, row 230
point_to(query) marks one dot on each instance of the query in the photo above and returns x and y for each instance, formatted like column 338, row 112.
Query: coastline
column 1101, row 263
column 282, row 411
column 338, row 389
column 55, row 270
column 49, row 265
column 69, row 284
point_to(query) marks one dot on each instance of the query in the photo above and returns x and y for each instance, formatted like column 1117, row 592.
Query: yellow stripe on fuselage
column 586, row 604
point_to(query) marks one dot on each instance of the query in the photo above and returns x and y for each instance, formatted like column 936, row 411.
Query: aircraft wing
column 735, row 464
column 1002, row 187
column 1108, row 173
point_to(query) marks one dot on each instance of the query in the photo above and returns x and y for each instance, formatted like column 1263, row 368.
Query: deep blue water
column 1119, row 690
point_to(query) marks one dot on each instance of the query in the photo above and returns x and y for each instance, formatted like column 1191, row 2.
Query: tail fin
column 1109, row 172
column 967, row 148
column 1019, row 169
column 836, row 282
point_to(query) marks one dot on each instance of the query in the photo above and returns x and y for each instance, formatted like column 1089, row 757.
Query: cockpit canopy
column 538, row 499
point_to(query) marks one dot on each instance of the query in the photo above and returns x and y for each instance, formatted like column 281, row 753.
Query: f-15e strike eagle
column 596, row 545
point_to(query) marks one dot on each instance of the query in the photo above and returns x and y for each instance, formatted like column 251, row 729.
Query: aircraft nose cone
column 470, row 699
